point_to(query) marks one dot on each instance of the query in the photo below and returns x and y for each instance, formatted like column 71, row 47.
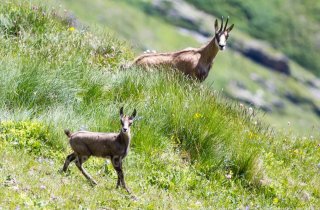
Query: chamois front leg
column 79, row 162
column 202, row 72
column 117, row 164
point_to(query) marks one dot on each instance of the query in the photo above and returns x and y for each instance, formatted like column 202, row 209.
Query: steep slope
column 294, row 98
column 191, row 147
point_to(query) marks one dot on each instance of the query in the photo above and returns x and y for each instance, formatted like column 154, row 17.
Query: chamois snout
column 125, row 124
column 222, row 47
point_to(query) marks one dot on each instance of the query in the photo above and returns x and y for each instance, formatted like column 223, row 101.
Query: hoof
column 62, row 171
column 134, row 198
column 93, row 183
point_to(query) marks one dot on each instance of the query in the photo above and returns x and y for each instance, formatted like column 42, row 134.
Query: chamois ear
column 216, row 26
column 121, row 112
column 230, row 28
column 133, row 114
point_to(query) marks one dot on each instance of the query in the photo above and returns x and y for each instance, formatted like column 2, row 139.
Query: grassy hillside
column 191, row 147
column 146, row 30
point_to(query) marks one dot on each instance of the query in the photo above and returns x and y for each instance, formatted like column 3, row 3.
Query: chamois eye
column 121, row 122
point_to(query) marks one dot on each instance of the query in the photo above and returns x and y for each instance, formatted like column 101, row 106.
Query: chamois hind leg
column 117, row 164
column 68, row 160
column 80, row 160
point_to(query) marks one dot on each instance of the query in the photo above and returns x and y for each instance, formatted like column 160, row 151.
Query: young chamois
column 112, row 145
column 194, row 62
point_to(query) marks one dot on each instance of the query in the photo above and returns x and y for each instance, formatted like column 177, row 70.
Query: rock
column 314, row 83
column 238, row 91
column 292, row 97
column 260, row 52
column 305, row 196
column 314, row 87
column 298, row 99
column 278, row 104
column 316, row 109
column 268, row 84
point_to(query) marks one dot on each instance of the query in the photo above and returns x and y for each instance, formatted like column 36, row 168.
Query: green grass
column 186, row 142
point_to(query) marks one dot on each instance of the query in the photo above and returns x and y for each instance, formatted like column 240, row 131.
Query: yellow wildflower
column 197, row 115
column 71, row 29
column 251, row 135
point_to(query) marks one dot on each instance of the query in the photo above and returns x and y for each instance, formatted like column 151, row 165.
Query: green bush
column 29, row 136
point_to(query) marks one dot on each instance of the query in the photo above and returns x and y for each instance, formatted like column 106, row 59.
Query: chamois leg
column 117, row 164
column 80, row 160
column 69, row 159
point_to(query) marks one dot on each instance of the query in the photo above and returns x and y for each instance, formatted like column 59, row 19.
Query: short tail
column 67, row 132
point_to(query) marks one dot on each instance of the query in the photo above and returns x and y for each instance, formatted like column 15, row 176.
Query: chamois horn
column 225, row 27
column 221, row 24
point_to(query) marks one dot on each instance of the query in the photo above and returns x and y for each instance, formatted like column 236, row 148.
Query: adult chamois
column 194, row 62
column 112, row 145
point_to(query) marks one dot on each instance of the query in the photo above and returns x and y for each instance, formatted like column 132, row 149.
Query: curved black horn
column 134, row 113
column 121, row 112
column 221, row 24
column 225, row 27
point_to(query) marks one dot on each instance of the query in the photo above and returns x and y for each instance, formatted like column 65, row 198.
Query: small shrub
column 30, row 136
